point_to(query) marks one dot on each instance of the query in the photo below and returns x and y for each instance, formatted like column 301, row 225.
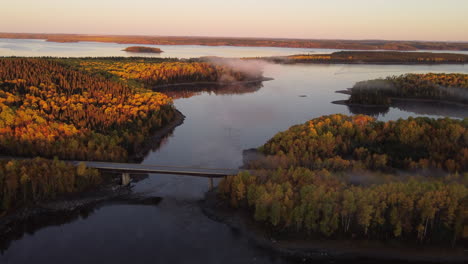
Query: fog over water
column 218, row 127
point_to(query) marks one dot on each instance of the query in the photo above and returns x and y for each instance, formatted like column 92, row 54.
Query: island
column 141, row 49
column 354, row 178
column 430, row 87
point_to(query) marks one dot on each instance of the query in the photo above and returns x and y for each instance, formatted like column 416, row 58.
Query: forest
column 371, row 57
column 149, row 74
column 430, row 86
column 96, row 109
column 24, row 182
column 49, row 109
column 356, row 177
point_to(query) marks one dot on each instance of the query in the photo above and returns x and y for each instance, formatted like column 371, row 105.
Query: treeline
column 432, row 86
column 354, row 176
column 50, row 109
column 340, row 142
column 373, row 57
column 24, row 182
column 170, row 72
column 248, row 42
column 310, row 202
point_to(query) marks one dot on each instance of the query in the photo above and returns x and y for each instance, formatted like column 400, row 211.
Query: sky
column 441, row 20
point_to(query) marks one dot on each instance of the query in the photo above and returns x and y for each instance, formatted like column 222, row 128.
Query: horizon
column 398, row 20
column 231, row 37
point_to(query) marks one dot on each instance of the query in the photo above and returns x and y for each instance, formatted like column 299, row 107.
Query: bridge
column 126, row 168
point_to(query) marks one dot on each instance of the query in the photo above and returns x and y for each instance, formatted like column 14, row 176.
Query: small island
column 430, row 87
column 141, row 49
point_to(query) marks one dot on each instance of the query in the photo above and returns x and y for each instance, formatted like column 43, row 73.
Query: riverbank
column 348, row 251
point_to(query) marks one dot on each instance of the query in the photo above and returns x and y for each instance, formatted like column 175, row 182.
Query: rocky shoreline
column 335, row 251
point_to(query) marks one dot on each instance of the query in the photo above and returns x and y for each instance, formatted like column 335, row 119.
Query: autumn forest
column 334, row 176
column 354, row 176
column 82, row 109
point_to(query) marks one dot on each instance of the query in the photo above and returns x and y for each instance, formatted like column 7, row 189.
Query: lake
column 38, row 47
column 219, row 125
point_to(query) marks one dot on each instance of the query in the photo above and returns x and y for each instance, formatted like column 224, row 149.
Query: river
column 219, row 125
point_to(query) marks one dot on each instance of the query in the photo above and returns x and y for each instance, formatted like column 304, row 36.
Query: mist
column 253, row 69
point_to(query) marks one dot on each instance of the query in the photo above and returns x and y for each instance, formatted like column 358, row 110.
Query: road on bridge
column 140, row 168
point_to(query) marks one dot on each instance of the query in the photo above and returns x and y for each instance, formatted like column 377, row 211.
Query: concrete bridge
column 126, row 168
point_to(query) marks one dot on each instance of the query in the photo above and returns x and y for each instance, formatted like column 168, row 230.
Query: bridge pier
column 125, row 179
column 210, row 183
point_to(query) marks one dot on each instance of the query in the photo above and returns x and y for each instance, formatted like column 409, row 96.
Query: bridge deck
column 140, row 168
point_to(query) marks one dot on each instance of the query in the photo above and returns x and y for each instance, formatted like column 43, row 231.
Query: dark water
column 218, row 126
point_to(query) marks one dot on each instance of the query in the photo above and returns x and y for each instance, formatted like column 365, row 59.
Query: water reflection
column 18, row 229
column 428, row 108
column 188, row 91
column 432, row 108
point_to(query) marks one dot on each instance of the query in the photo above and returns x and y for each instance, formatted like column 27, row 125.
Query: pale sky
column 444, row 20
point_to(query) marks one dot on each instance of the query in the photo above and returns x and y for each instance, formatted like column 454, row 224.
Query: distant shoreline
column 370, row 57
column 247, row 42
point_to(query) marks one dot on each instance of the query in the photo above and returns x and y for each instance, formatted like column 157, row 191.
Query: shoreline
column 402, row 45
column 109, row 190
column 158, row 136
column 346, row 250
column 361, row 63
column 220, row 84
column 31, row 219
column 399, row 99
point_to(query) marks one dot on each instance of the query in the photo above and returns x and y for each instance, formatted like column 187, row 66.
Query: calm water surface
column 37, row 47
column 218, row 126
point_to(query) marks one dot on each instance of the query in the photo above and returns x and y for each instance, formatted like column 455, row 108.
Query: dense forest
column 24, row 182
column 49, row 109
column 171, row 72
column 82, row 109
column 372, row 57
column 444, row 87
column 248, row 42
column 354, row 176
